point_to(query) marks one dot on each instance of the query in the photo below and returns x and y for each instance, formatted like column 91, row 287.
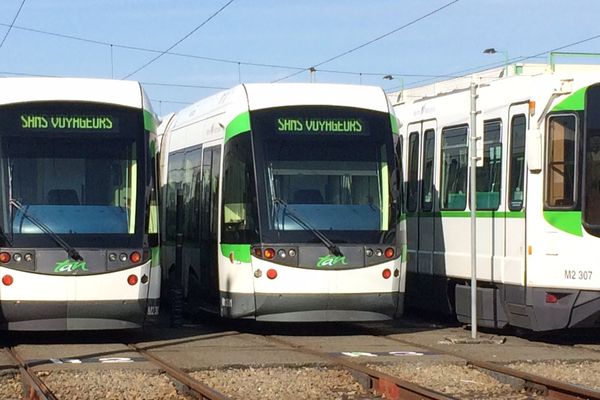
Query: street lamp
column 492, row 50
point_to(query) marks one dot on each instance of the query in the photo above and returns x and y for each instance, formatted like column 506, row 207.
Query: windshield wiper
column 304, row 224
column 71, row 251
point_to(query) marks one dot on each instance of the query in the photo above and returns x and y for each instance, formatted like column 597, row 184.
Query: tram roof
column 117, row 92
column 257, row 96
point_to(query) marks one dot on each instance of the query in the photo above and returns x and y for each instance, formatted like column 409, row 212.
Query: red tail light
column 271, row 274
column 135, row 257
column 132, row 279
column 7, row 280
column 551, row 298
column 389, row 252
column 386, row 273
column 4, row 257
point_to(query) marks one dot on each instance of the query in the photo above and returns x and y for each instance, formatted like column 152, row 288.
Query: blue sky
column 73, row 38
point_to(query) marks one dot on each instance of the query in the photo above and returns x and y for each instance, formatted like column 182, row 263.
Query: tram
column 290, row 203
column 537, row 195
column 78, row 228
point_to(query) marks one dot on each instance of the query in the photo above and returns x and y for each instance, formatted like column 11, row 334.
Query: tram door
column 209, row 221
column 516, row 184
column 420, row 203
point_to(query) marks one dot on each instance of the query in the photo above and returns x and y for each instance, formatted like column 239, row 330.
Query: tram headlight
column 123, row 257
column 17, row 257
column 292, row 253
column 28, row 257
column 369, row 252
column 281, row 253
column 378, row 252
column 112, row 257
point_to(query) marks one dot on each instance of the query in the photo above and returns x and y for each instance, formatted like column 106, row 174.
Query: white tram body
column 538, row 191
column 79, row 243
column 290, row 203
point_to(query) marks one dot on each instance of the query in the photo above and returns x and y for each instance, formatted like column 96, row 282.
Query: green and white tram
column 538, row 196
column 290, row 201
column 78, row 222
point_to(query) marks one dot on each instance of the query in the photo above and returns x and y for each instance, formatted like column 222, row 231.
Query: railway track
column 547, row 388
column 34, row 388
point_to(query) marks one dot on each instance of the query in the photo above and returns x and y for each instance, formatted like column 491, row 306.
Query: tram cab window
column 412, row 191
column 560, row 159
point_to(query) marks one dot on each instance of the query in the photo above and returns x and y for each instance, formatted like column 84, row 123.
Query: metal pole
column 473, row 202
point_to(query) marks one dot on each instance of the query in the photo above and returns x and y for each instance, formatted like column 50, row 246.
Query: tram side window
column 174, row 182
column 489, row 175
column 413, row 173
column 240, row 213
column 428, row 156
column 453, row 193
column 518, row 126
column 560, row 176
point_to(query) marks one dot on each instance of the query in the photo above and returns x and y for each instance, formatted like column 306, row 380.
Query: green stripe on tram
column 574, row 102
column 149, row 121
column 241, row 252
column 467, row 214
column 394, row 122
column 566, row 221
column 239, row 124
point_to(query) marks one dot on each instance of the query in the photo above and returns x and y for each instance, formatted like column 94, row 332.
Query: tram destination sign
column 322, row 126
column 67, row 122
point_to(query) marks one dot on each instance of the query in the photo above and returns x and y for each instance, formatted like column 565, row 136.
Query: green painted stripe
column 566, row 221
column 575, row 102
column 239, row 124
column 467, row 214
column 394, row 121
column 241, row 252
column 150, row 122
column 155, row 255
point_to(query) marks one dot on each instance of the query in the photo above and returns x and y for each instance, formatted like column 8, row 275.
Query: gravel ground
column 113, row 384
column 10, row 387
column 298, row 383
column 585, row 373
column 454, row 380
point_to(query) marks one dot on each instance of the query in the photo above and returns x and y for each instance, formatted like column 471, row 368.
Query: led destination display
column 68, row 122
column 323, row 126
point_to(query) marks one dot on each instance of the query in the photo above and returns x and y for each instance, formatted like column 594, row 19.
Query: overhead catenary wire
column 465, row 72
column 12, row 23
column 213, row 15
column 340, row 55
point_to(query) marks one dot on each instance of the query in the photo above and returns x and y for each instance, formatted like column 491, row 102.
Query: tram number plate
column 578, row 275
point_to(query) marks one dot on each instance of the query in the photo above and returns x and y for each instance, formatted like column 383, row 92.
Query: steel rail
column 199, row 389
column 380, row 383
column 549, row 388
column 35, row 388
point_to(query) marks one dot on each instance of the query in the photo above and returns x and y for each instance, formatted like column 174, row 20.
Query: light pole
column 492, row 50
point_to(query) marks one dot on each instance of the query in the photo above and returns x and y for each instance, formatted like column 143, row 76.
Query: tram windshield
column 591, row 187
column 331, row 168
column 78, row 170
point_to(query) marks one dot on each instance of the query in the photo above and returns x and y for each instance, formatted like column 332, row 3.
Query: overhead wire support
column 180, row 40
column 12, row 23
column 345, row 53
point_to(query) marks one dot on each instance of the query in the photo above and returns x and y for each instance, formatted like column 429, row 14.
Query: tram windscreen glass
column 328, row 167
column 591, row 189
column 77, row 169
